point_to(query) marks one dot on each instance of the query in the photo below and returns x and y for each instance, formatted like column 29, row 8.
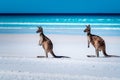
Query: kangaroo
column 45, row 42
column 96, row 41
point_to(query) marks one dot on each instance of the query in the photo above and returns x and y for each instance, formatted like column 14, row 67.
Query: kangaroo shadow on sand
column 110, row 56
column 62, row 57
column 113, row 56
column 53, row 57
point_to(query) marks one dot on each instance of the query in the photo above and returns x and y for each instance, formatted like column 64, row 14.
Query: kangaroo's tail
column 106, row 55
column 53, row 54
column 58, row 56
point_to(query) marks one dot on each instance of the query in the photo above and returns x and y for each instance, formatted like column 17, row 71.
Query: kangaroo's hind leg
column 97, row 52
column 46, row 53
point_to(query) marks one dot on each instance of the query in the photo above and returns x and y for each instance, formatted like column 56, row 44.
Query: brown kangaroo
column 45, row 42
column 96, row 41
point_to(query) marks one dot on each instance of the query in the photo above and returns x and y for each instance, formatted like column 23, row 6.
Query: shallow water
column 60, row 24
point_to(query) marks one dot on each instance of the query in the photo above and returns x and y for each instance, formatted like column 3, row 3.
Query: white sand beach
column 18, row 58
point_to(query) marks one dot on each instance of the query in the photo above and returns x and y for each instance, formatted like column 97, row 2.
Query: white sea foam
column 32, row 25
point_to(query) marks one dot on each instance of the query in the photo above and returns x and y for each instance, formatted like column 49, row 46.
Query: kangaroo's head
column 40, row 30
column 88, row 29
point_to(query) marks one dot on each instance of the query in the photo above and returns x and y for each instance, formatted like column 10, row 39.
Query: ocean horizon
column 60, row 24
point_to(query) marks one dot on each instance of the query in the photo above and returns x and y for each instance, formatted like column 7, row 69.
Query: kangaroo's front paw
column 39, row 44
column 88, row 46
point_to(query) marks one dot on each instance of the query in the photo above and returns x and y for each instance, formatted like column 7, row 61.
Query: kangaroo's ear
column 39, row 27
column 88, row 26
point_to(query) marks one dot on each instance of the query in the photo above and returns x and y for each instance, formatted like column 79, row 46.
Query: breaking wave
column 33, row 25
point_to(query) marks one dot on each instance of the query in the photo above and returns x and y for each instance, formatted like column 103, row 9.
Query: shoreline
column 78, row 32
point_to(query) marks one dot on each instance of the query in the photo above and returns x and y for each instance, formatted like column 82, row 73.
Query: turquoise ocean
column 104, row 25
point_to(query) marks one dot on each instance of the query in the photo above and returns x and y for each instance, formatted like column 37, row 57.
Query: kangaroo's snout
column 84, row 31
column 38, row 31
